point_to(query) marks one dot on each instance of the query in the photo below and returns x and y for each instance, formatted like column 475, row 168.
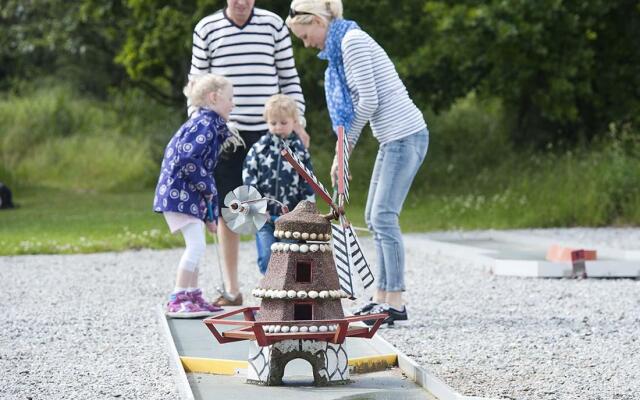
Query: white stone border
column 299, row 328
column 300, row 247
column 180, row 376
column 321, row 237
column 300, row 294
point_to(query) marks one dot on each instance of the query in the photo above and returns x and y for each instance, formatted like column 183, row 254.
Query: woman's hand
column 212, row 226
column 334, row 172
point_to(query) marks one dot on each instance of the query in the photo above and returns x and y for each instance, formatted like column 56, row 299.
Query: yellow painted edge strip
column 212, row 365
column 373, row 363
column 229, row 367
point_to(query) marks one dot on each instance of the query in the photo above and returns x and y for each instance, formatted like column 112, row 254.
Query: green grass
column 83, row 172
column 53, row 221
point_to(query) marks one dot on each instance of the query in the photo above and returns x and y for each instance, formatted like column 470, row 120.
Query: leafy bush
column 53, row 137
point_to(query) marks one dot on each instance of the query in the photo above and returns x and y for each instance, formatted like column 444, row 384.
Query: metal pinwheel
column 245, row 211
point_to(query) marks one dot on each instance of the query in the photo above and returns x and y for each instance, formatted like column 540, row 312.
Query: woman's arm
column 358, row 67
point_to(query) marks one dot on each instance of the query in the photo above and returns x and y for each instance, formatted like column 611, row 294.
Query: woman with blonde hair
column 362, row 85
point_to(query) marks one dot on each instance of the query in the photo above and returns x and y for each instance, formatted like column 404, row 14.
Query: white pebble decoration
column 287, row 234
column 323, row 328
column 314, row 248
column 343, row 294
column 268, row 293
column 284, row 329
column 313, row 236
column 262, row 292
column 274, row 247
column 304, row 248
column 304, row 236
column 313, row 329
column 303, row 329
column 333, row 293
column 276, row 234
column 294, row 247
column 292, row 294
column 322, row 248
column 285, row 247
column 313, row 294
column 282, row 294
column 302, row 294
column 332, row 328
column 294, row 329
column 323, row 294
column 277, row 329
column 296, row 235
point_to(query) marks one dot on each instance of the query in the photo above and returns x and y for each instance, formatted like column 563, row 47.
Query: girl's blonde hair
column 198, row 90
column 280, row 105
column 304, row 10
column 199, row 87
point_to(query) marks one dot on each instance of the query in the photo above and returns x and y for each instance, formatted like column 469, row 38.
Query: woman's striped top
column 257, row 58
column 378, row 94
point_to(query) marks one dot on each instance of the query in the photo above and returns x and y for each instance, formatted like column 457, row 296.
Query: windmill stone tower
column 301, row 289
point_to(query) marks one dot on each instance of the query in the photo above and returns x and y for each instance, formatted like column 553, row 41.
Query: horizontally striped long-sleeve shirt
column 378, row 94
column 257, row 58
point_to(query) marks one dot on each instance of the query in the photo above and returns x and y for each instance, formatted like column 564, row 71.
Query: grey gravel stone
column 83, row 326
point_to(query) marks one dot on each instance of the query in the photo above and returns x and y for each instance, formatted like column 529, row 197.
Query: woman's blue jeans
column 395, row 168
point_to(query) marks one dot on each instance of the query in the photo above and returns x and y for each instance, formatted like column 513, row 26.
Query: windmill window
column 303, row 311
column 303, row 272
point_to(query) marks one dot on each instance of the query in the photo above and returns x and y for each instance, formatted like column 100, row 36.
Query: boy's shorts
column 228, row 172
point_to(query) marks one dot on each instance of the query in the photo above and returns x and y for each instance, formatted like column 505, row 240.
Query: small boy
column 266, row 170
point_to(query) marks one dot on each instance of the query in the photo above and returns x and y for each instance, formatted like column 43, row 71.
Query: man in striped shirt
column 252, row 48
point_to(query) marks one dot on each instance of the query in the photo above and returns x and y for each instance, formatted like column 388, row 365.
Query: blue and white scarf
column 335, row 81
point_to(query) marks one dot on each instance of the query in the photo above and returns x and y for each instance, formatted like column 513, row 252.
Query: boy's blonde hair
column 199, row 87
column 305, row 10
column 280, row 105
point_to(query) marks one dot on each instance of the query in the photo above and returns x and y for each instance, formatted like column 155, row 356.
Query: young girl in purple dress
column 186, row 193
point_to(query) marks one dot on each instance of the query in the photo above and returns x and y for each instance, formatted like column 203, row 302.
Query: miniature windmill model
column 347, row 250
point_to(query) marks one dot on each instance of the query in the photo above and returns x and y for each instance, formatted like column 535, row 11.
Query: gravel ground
column 83, row 326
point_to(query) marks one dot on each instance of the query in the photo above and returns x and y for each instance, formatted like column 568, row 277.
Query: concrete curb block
column 180, row 376
column 602, row 250
column 625, row 265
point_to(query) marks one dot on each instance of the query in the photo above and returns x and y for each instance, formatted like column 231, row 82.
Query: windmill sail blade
column 307, row 175
column 343, row 164
column 342, row 256
column 358, row 261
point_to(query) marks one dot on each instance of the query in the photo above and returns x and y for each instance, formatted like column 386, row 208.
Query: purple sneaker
column 181, row 306
column 196, row 298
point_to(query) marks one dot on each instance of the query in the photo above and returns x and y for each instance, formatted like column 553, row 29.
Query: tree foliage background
column 563, row 69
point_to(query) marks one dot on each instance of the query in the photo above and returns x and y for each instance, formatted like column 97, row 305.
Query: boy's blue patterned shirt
column 273, row 176
column 186, row 175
